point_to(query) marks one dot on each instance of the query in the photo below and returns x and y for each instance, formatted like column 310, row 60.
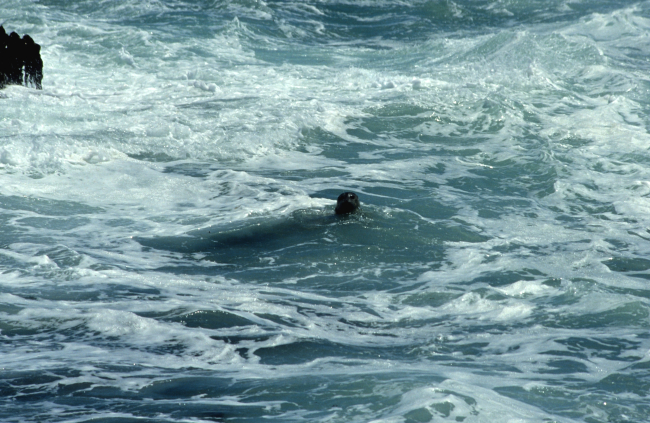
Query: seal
column 347, row 202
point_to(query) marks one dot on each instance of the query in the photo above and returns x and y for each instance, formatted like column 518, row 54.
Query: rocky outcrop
column 20, row 60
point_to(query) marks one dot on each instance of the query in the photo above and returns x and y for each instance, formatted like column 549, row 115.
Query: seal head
column 347, row 202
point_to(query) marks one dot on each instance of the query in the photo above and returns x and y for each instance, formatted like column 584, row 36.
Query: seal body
column 347, row 202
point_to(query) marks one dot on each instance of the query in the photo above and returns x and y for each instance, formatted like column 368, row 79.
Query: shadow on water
column 316, row 243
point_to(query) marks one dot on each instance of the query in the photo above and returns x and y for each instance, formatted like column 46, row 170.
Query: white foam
column 524, row 288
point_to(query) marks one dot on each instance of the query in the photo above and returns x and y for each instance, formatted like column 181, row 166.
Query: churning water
column 169, row 252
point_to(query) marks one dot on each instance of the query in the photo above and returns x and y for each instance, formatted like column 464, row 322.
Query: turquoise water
column 169, row 250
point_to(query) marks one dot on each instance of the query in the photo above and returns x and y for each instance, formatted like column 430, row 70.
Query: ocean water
column 169, row 252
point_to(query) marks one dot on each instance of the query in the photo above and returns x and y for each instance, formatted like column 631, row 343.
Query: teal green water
column 169, row 250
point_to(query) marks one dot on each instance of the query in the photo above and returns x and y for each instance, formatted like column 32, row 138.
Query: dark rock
column 20, row 60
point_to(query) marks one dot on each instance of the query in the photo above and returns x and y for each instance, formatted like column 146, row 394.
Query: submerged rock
column 20, row 60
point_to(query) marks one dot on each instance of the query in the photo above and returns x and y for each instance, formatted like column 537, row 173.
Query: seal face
column 347, row 202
